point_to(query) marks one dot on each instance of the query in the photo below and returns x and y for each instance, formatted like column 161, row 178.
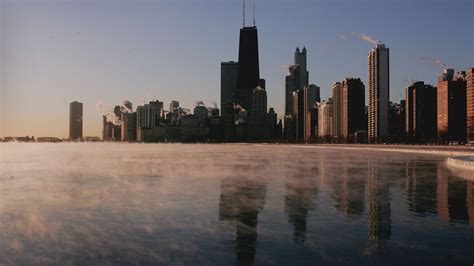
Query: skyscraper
column 470, row 104
column 421, row 111
column 300, row 59
column 145, row 122
column 451, row 105
column 157, row 112
column 259, row 106
column 311, row 96
column 298, row 113
column 325, row 118
column 229, row 72
column 129, row 126
column 248, row 74
column 353, row 107
column 297, row 79
column 337, row 109
column 75, row 121
column 379, row 92
column 292, row 83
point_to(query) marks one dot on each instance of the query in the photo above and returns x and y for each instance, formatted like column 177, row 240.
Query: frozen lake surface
column 230, row 204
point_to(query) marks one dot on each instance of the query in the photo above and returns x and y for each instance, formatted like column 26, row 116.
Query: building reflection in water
column 470, row 201
column 431, row 188
column 348, row 188
column 380, row 227
column 421, row 187
column 240, row 202
column 301, row 191
column 455, row 200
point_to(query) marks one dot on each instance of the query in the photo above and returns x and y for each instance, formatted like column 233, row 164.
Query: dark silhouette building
column 129, row 127
column 229, row 72
column 337, row 110
column 298, row 113
column 396, row 119
column 248, row 74
column 451, row 106
column 259, row 106
column 353, row 107
column 292, row 83
column 421, row 111
column 311, row 97
column 75, row 121
column 470, row 104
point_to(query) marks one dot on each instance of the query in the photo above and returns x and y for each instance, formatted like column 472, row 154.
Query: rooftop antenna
column 243, row 13
column 254, row 13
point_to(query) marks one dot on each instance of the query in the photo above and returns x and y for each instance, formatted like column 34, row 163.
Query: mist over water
column 187, row 204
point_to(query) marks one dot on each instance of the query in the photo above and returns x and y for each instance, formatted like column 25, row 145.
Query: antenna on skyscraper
column 254, row 13
column 243, row 13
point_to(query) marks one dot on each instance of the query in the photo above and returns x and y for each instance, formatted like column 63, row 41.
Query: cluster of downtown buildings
column 428, row 114
column 243, row 114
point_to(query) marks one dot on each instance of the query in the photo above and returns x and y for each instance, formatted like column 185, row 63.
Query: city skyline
column 37, row 81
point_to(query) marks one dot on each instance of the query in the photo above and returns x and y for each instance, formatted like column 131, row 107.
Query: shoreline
column 446, row 151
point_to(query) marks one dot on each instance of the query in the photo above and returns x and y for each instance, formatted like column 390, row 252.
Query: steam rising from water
column 222, row 204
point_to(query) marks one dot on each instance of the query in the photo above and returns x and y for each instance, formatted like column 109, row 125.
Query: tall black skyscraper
column 248, row 74
column 75, row 121
column 228, row 83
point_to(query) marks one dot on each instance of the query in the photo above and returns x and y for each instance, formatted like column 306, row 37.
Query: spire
column 304, row 49
column 297, row 49
column 254, row 13
column 243, row 13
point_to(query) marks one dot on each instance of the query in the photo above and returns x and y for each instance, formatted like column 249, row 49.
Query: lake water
column 230, row 204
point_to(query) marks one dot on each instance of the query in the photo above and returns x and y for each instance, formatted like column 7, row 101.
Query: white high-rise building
column 379, row 93
column 325, row 113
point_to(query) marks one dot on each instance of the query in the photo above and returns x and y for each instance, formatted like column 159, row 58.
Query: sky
column 53, row 52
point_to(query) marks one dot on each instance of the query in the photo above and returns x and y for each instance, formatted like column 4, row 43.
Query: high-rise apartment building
column 379, row 93
column 353, row 107
column 451, row 106
column 311, row 97
column 337, row 109
column 325, row 113
column 129, row 126
column 145, row 117
column 470, row 104
column 75, row 121
column 158, row 111
column 420, row 111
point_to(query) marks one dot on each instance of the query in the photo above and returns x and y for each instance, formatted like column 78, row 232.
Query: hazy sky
column 55, row 52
